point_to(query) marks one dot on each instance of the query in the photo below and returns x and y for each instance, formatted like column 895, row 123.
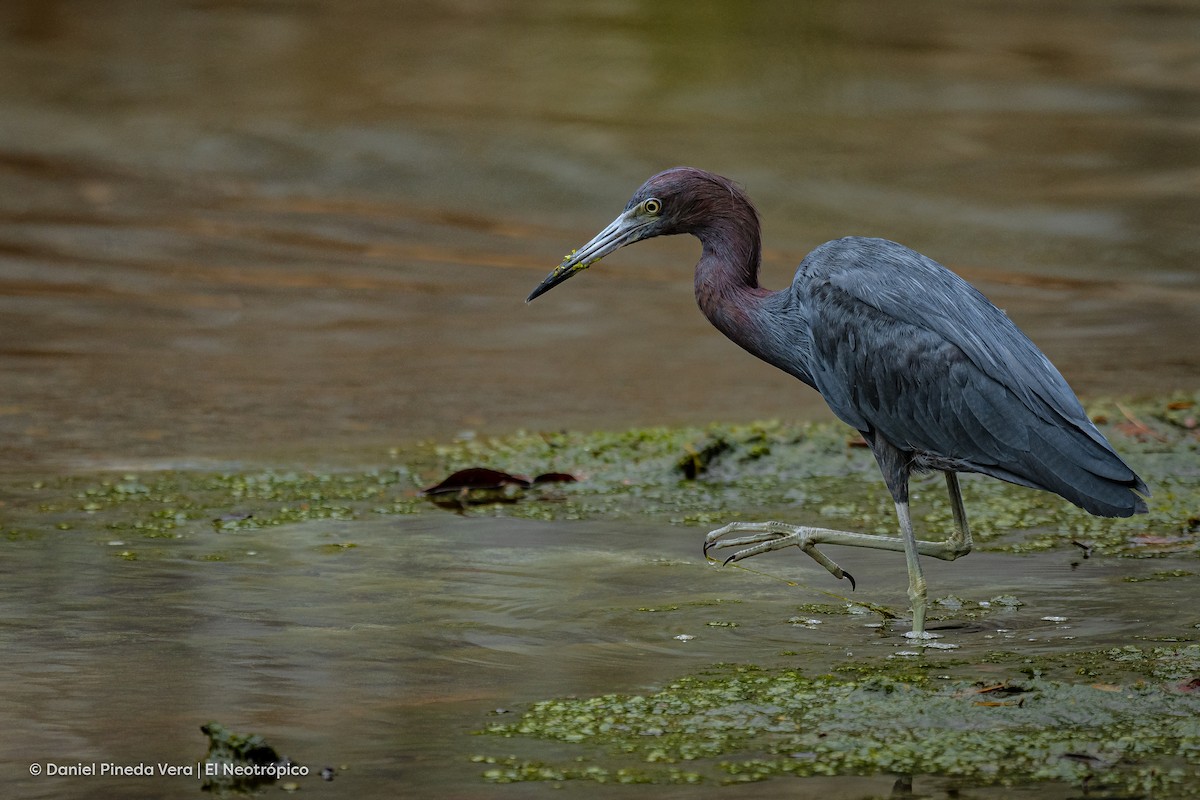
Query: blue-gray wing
column 906, row 349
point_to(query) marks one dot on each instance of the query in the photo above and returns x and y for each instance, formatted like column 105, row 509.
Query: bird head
column 674, row 201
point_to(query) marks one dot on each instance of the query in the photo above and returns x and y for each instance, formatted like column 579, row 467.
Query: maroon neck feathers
column 727, row 287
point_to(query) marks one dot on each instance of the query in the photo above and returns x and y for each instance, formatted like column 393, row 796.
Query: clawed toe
column 755, row 538
column 767, row 536
column 761, row 540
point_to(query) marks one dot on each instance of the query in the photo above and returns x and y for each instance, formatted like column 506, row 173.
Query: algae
column 736, row 723
column 680, row 476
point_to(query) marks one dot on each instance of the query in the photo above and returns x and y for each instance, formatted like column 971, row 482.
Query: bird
column 904, row 350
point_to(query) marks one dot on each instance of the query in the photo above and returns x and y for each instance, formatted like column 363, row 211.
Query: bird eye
column 652, row 206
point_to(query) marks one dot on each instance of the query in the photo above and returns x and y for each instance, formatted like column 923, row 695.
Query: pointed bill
column 623, row 230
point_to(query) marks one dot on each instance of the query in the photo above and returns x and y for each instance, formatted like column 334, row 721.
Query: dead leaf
column 476, row 478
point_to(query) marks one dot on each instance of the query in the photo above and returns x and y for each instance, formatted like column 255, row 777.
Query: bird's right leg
column 916, row 578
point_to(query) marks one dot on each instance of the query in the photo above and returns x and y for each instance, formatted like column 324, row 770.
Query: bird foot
column 767, row 536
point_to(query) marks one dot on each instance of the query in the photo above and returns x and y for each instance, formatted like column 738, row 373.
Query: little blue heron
column 931, row 374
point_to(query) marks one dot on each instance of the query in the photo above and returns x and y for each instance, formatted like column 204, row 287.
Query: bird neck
column 732, row 249
column 727, row 289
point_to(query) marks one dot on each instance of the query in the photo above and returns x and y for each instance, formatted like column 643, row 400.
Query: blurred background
column 305, row 230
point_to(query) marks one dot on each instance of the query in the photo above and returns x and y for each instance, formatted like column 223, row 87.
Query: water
column 301, row 230
column 303, row 233
column 383, row 659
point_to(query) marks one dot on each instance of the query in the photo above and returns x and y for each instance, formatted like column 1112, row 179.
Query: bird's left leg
column 768, row 536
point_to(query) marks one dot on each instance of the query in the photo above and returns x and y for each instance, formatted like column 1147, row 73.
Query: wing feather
column 904, row 348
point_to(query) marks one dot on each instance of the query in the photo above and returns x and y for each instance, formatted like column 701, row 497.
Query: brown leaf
column 476, row 478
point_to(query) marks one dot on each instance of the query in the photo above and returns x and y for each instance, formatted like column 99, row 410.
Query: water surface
column 385, row 659
column 300, row 230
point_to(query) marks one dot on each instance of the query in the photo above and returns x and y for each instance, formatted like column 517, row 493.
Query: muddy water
column 302, row 233
column 300, row 230
column 383, row 659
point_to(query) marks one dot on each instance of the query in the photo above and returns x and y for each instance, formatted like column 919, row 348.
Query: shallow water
column 383, row 659
column 300, row 234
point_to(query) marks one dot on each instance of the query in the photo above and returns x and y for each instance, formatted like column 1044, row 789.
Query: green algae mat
column 739, row 724
column 680, row 476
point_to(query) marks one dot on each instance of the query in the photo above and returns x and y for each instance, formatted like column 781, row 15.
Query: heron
column 930, row 373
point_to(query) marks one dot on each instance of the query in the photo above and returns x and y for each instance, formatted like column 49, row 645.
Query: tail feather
column 1097, row 481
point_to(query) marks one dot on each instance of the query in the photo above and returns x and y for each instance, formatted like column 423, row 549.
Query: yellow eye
column 652, row 206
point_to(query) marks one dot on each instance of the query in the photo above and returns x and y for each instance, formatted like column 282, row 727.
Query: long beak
column 625, row 229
